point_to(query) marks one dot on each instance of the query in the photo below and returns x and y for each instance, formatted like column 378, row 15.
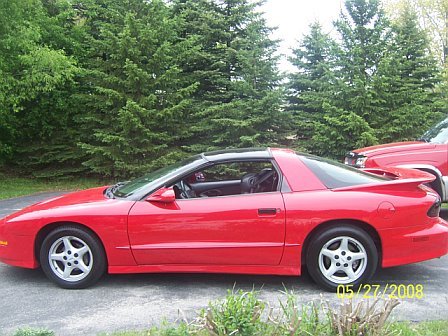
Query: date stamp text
column 384, row 291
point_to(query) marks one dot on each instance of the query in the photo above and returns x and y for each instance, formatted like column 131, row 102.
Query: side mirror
column 163, row 195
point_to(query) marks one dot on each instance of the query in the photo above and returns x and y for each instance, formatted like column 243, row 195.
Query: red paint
column 229, row 227
column 227, row 234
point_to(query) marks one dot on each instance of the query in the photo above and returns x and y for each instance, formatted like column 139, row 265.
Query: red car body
column 230, row 234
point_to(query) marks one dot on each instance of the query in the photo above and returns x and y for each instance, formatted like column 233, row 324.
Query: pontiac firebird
column 252, row 211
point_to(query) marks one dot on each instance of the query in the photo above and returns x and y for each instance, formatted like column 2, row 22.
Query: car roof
column 238, row 153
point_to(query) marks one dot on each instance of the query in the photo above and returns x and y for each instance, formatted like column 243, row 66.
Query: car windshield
column 157, row 176
column 337, row 175
column 437, row 134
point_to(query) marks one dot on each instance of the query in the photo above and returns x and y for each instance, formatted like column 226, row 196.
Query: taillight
column 434, row 210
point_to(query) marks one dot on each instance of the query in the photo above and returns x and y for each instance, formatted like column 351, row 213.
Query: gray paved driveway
column 127, row 302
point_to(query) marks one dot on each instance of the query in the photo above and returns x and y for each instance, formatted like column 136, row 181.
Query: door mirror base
column 163, row 195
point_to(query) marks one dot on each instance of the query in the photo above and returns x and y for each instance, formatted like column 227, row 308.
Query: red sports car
column 259, row 211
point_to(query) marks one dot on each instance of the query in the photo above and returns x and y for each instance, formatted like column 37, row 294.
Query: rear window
column 337, row 175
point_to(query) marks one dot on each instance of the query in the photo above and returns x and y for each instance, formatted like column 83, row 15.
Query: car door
column 243, row 229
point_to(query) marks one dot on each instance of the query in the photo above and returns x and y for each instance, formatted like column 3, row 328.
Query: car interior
column 229, row 178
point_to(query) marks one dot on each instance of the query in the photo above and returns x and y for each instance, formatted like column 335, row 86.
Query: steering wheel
column 186, row 191
column 248, row 183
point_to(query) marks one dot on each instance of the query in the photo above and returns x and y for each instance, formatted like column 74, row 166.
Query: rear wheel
column 342, row 255
column 72, row 257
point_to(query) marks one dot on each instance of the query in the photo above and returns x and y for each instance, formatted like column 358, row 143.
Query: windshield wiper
column 422, row 139
column 110, row 192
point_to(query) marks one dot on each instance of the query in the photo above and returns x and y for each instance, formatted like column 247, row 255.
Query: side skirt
column 233, row 269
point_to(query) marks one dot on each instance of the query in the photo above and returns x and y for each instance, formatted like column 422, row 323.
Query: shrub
column 361, row 319
column 238, row 314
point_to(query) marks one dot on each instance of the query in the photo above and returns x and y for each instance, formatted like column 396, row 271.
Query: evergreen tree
column 385, row 81
column 364, row 32
column 406, row 82
column 432, row 18
column 136, row 96
column 340, row 131
column 311, row 85
column 238, row 101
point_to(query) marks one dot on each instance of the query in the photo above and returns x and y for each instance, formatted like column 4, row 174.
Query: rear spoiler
column 403, row 179
column 401, row 173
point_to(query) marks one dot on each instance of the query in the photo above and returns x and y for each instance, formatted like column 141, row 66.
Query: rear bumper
column 402, row 246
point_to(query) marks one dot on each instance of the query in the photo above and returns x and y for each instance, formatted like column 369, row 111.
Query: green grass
column 33, row 332
column 428, row 328
column 12, row 186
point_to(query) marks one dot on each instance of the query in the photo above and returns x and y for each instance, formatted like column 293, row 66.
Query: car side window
column 233, row 170
column 229, row 178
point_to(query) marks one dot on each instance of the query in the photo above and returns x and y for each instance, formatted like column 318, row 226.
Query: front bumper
column 16, row 250
column 414, row 244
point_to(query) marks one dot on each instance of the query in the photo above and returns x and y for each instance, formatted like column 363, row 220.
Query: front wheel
column 343, row 255
column 72, row 257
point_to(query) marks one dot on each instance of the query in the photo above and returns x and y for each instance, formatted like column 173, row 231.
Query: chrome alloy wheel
column 70, row 258
column 342, row 260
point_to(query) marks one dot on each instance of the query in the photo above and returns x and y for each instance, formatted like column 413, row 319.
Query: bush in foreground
column 243, row 313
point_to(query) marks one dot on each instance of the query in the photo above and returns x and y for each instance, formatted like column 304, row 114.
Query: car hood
column 405, row 146
column 73, row 202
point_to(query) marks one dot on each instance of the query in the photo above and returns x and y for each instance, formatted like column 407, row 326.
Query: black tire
column 83, row 269
column 348, row 271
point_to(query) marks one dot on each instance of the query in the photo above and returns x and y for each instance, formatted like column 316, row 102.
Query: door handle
column 267, row 211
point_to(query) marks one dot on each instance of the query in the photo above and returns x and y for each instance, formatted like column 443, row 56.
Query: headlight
column 360, row 162
column 355, row 160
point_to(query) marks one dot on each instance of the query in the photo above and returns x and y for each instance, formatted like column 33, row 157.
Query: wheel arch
column 45, row 230
column 369, row 229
